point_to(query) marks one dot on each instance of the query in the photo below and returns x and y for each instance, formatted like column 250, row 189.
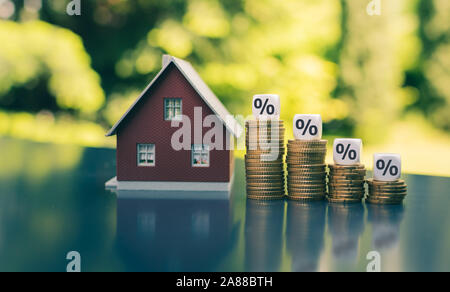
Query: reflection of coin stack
column 346, row 225
column 264, row 235
column 386, row 192
column 264, row 161
column 346, row 183
column 306, row 170
column 386, row 221
column 305, row 230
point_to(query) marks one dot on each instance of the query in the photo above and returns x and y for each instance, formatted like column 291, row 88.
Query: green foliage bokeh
column 362, row 73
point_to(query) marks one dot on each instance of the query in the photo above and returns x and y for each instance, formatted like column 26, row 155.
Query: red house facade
column 146, row 158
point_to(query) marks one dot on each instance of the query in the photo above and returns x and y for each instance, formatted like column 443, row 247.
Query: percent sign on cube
column 266, row 106
column 308, row 127
column 387, row 167
column 347, row 151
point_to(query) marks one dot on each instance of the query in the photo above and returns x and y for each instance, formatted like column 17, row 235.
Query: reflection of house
column 146, row 156
column 173, row 235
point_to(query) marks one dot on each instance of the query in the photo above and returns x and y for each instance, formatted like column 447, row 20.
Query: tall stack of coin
column 306, row 170
column 386, row 192
column 264, row 161
column 346, row 183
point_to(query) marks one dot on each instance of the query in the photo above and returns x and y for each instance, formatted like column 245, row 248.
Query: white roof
column 200, row 87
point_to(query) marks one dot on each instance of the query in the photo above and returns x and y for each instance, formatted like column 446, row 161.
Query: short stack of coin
column 306, row 170
column 386, row 192
column 264, row 161
column 346, row 183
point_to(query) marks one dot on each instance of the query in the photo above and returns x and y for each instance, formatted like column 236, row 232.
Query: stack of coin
column 306, row 170
column 386, row 192
column 346, row 183
column 264, row 161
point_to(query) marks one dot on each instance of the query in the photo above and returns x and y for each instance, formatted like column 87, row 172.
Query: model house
column 146, row 158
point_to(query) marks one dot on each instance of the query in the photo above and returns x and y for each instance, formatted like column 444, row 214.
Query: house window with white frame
column 200, row 156
column 173, row 109
column 146, row 155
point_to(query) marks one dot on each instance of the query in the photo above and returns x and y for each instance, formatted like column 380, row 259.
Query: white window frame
column 177, row 105
column 202, row 150
column 149, row 149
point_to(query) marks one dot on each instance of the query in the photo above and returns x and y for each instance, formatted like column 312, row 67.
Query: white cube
column 347, row 151
column 308, row 127
column 266, row 106
column 387, row 167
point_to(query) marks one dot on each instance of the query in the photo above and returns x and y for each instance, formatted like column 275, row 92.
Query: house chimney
column 166, row 60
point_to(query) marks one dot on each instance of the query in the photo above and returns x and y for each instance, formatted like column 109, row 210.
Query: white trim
column 113, row 184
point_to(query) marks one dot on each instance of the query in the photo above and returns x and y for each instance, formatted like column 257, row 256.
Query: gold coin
column 263, row 160
column 265, row 198
column 293, row 178
column 270, row 141
column 302, row 173
column 294, row 184
column 347, row 175
column 355, row 166
column 345, row 172
column 311, row 166
column 280, row 183
column 298, row 149
column 264, row 168
column 392, row 183
column 265, row 132
column 346, row 190
column 333, row 180
column 305, row 193
column 265, row 176
column 397, row 191
column 307, row 173
column 259, row 122
column 307, row 188
column 305, row 156
column 254, row 174
column 309, row 142
column 389, row 194
column 258, row 191
column 265, row 194
column 291, row 162
column 356, row 196
column 306, row 198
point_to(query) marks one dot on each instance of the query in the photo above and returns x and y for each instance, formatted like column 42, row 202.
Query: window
column 200, row 156
column 146, row 155
column 172, row 109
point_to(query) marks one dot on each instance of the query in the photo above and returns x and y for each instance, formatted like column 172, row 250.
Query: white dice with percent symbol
column 308, row 127
column 387, row 167
column 347, row 151
column 266, row 106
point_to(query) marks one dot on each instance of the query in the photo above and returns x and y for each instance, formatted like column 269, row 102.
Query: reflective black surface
column 52, row 201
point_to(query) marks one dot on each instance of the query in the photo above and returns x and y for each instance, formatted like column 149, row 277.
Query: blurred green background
column 384, row 78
